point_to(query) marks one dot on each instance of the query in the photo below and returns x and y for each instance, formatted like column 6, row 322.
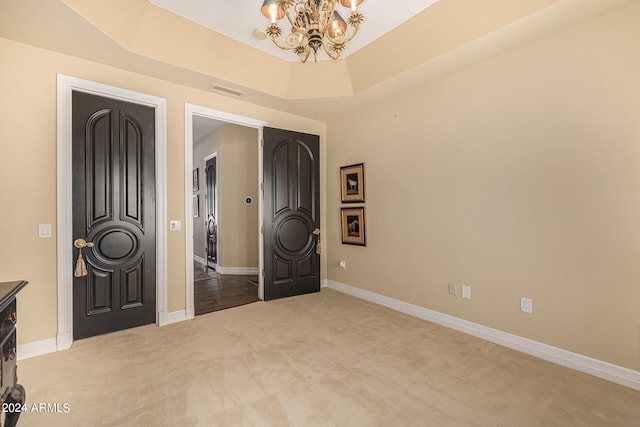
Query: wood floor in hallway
column 213, row 291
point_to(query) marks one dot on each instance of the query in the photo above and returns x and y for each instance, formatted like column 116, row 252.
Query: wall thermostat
column 248, row 200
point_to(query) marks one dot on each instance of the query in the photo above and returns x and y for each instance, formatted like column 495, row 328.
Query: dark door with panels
column 291, row 213
column 114, row 194
column 211, row 225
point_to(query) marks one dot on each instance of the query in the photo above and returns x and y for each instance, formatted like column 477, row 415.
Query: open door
column 291, row 213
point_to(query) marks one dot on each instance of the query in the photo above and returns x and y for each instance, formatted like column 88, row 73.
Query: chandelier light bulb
column 271, row 10
column 351, row 3
column 338, row 27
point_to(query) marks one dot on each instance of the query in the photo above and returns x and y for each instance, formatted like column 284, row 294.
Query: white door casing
column 66, row 85
column 190, row 111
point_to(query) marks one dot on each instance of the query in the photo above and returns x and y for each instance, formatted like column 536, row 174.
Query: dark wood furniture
column 12, row 394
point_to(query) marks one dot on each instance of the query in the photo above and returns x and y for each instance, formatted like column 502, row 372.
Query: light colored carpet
column 325, row 359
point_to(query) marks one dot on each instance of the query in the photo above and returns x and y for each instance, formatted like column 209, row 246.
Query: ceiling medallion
column 315, row 24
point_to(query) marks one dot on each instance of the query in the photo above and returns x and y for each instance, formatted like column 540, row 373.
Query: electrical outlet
column 452, row 288
column 526, row 305
column 466, row 292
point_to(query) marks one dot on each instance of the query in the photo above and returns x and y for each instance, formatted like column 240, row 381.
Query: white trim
column 199, row 260
column 324, row 283
column 260, row 213
column 617, row 374
column 176, row 316
column 37, row 348
column 189, row 111
column 237, row 270
column 65, row 85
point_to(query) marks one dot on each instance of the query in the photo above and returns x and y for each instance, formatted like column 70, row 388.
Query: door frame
column 65, row 86
column 191, row 110
column 207, row 158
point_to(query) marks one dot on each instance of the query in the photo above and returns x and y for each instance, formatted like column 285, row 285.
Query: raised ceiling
column 238, row 19
column 139, row 36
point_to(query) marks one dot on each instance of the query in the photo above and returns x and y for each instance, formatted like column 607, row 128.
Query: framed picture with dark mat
column 353, row 226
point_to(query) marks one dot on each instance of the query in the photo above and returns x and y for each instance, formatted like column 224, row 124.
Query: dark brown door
column 212, row 225
column 291, row 213
column 114, row 208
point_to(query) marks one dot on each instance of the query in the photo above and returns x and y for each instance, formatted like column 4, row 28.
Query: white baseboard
column 617, row 374
column 37, row 348
column 199, row 260
column 324, row 283
column 237, row 270
column 176, row 316
column 64, row 341
column 163, row 318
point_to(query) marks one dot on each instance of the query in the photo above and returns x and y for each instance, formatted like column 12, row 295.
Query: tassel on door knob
column 81, row 267
column 316, row 232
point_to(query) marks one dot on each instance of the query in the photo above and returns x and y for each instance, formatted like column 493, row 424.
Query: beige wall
column 237, row 148
column 520, row 177
column 28, row 169
column 238, row 230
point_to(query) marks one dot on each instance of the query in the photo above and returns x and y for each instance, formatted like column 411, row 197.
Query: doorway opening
column 224, row 245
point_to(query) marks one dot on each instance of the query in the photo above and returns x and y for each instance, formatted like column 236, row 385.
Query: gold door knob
column 316, row 232
column 81, row 243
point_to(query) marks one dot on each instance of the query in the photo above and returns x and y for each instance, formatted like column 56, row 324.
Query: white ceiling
column 239, row 18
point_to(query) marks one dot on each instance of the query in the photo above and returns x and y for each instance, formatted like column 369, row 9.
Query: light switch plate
column 44, row 231
column 175, row 225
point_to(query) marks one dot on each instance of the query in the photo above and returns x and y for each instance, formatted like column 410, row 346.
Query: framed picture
column 196, row 205
column 352, row 183
column 196, row 181
column 353, row 226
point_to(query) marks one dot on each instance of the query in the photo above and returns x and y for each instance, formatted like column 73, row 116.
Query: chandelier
column 314, row 24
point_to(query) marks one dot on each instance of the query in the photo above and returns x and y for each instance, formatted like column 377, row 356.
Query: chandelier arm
column 277, row 42
column 274, row 31
column 304, row 55
column 333, row 55
column 355, row 27
column 343, row 40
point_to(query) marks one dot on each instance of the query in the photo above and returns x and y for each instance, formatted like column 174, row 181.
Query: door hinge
column 262, row 142
column 262, row 272
column 262, row 229
column 262, row 186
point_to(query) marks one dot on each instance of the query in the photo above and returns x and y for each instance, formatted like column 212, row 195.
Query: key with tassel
column 316, row 232
column 81, row 266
